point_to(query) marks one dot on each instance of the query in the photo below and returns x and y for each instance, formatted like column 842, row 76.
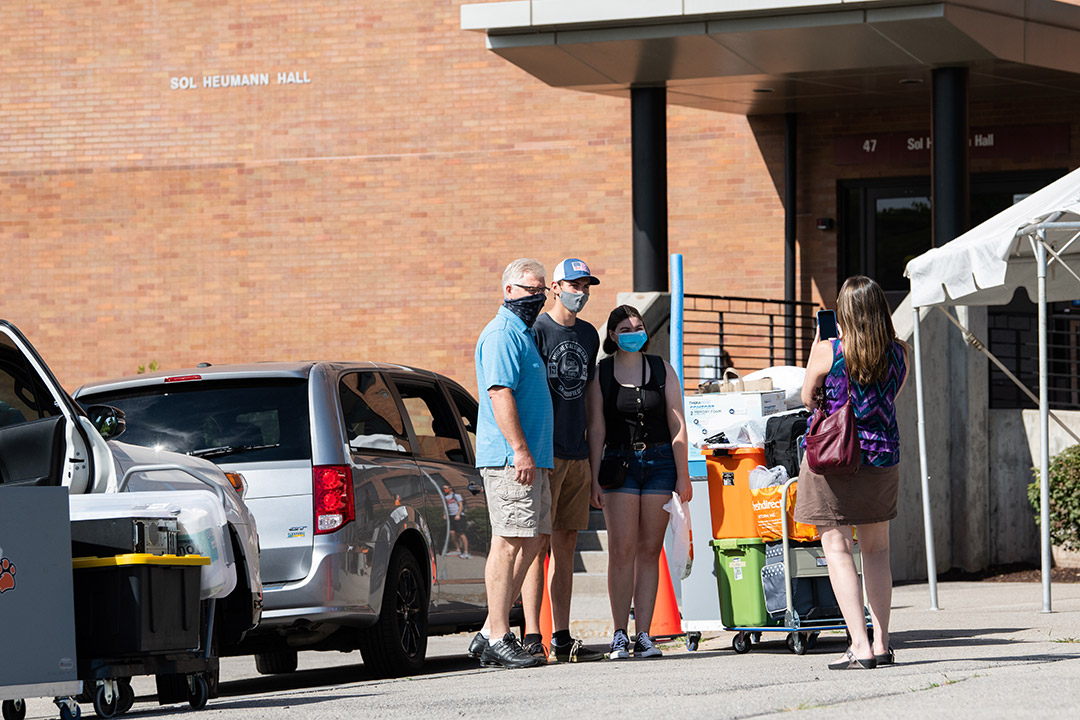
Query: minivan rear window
column 225, row 421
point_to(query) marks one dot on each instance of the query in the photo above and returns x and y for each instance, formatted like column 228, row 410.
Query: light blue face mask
column 633, row 341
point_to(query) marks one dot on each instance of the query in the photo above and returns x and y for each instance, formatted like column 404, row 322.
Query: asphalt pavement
column 989, row 652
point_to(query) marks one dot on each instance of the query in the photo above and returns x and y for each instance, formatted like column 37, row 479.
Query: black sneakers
column 574, row 651
column 477, row 646
column 508, row 653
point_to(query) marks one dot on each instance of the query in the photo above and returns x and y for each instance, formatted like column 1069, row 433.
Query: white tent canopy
column 1029, row 245
column 986, row 265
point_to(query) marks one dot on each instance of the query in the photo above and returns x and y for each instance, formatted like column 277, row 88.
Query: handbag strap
column 822, row 401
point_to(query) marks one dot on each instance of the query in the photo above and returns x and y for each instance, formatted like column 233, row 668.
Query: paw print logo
column 7, row 575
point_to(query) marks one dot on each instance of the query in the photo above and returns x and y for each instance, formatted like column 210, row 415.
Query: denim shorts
column 648, row 472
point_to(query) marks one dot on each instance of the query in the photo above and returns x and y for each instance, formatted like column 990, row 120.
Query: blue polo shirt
column 506, row 355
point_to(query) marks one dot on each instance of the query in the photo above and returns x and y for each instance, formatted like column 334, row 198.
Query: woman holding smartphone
column 868, row 364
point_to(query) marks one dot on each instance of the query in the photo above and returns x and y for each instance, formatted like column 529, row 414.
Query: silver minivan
column 352, row 470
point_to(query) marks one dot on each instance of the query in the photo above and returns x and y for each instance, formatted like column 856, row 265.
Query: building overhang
column 754, row 57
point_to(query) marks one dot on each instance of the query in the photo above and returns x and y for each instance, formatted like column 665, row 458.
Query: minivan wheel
column 276, row 662
column 396, row 645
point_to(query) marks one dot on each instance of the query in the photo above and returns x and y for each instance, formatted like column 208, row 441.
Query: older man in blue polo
column 514, row 438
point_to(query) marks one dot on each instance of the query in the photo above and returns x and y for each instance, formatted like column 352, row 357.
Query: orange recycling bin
column 730, row 502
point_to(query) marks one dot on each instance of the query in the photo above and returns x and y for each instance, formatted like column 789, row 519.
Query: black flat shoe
column 850, row 662
column 888, row 658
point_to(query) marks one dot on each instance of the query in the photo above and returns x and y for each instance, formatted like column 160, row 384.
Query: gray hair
column 521, row 267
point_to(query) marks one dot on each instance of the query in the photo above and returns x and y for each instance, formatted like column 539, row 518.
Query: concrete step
column 590, row 584
column 592, row 540
column 596, row 519
column 590, row 561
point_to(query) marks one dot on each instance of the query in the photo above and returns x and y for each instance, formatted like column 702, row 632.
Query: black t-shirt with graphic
column 570, row 354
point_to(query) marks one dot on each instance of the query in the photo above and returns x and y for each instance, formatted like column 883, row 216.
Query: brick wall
column 366, row 214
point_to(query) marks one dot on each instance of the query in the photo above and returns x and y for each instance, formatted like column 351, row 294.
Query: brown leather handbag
column 832, row 442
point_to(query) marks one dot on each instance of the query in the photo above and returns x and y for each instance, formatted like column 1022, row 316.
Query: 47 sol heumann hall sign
column 235, row 80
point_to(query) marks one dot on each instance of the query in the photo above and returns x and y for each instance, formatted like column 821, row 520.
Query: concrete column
column 648, row 138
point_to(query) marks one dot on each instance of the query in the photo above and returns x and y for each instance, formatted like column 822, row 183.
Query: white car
column 48, row 439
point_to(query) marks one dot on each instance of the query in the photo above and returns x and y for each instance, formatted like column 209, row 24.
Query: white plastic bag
column 762, row 477
column 682, row 555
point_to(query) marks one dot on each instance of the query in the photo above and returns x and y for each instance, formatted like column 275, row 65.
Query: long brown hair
column 863, row 314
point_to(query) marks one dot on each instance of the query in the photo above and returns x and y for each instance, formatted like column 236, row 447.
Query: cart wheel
column 796, row 642
column 198, row 692
column 105, row 708
column 692, row 640
column 741, row 643
column 127, row 695
column 74, row 712
column 756, row 637
column 14, row 709
column 811, row 643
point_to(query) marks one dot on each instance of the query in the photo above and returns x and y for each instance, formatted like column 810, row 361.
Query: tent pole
column 924, row 473
column 1044, row 426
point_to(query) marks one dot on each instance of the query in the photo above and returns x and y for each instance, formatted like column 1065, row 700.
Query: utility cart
column 799, row 570
column 140, row 614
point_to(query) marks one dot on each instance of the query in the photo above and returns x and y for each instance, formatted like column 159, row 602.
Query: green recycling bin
column 738, row 563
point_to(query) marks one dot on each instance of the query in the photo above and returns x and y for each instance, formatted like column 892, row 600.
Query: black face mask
column 527, row 308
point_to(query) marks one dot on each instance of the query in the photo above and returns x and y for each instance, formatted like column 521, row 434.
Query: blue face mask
column 633, row 341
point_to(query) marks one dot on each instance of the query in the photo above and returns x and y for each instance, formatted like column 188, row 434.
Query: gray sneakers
column 644, row 648
column 620, row 646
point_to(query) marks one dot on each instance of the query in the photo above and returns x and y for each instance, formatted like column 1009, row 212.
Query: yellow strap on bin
column 138, row 559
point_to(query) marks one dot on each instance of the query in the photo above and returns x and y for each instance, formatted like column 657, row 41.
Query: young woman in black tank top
column 635, row 424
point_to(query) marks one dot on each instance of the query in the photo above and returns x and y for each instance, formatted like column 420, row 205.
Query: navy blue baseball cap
column 572, row 269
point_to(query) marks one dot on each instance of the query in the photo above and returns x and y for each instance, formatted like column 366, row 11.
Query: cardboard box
column 709, row 413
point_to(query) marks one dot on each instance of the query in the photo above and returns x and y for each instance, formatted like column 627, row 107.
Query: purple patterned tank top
column 874, row 405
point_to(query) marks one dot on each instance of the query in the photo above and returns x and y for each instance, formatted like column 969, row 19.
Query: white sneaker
column 620, row 646
column 643, row 646
column 452, row 553
column 465, row 556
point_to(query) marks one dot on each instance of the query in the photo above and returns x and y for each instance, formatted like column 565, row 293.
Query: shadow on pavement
column 334, row 675
column 958, row 637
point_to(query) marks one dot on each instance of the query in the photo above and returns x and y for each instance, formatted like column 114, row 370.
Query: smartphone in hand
column 826, row 320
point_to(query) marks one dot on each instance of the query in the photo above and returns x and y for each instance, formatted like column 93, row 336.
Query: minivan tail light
column 333, row 490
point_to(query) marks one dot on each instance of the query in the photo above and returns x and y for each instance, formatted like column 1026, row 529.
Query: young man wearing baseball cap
column 569, row 347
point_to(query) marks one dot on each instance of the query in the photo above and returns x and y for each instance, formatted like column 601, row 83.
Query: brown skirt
column 868, row 496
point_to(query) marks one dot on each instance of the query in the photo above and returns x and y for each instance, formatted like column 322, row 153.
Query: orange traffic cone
column 666, row 620
column 546, row 623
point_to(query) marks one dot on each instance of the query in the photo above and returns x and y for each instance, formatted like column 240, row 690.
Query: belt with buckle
column 634, row 447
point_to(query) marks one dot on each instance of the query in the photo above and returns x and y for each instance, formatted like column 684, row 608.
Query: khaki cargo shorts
column 517, row 510
column 571, row 484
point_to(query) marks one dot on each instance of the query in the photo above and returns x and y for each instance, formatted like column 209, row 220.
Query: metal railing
column 744, row 333
column 1013, row 338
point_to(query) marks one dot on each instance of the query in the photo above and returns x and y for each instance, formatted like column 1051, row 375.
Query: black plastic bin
column 136, row 604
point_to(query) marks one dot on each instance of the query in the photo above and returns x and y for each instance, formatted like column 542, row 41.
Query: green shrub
column 1064, row 498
